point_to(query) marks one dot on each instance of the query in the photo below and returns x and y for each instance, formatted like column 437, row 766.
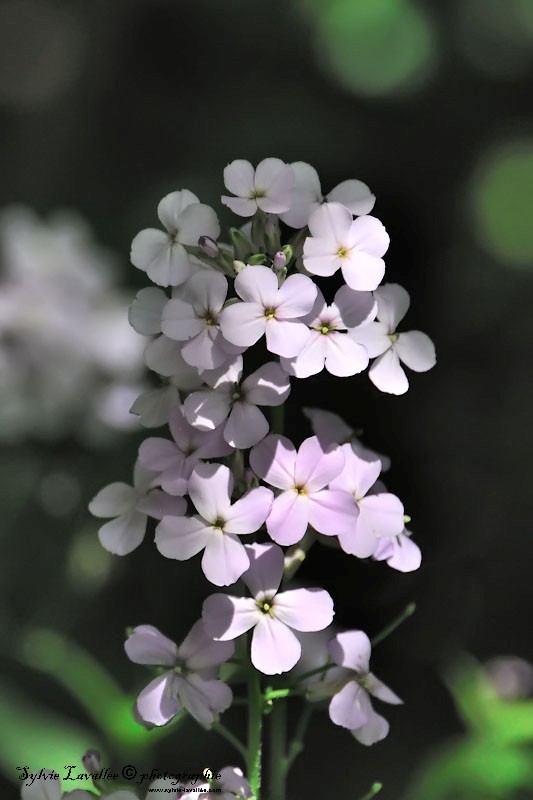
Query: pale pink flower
column 306, row 196
column 379, row 515
column 175, row 460
column 337, row 241
column 163, row 255
column 236, row 401
column 415, row 349
column 272, row 615
column 130, row 507
column 217, row 526
column 193, row 318
column 303, row 476
column 269, row 310
column 400, row 552
column 328, row 344
column 350, row 705
column 189, row 680
column 163, row 355
column 266, row 188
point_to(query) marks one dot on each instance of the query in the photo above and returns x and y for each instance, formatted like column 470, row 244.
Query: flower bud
column 257, row 258
column 279, row 261
column 238, row 266
column 241, row 245
column 92, row 762
column 208, row 246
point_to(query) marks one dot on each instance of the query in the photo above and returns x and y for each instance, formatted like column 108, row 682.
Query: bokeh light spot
column 501, row 193
column 88, row 564
column 497, row 37
column 376, row 47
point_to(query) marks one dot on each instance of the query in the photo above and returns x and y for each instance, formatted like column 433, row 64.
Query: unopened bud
column 238, row 266
column 241, row 244
column 208, row 246
column 279, row 261
column 92, row 762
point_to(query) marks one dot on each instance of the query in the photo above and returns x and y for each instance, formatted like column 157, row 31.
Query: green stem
column 408, row 611
column 315, row 671
column 277, row 419
column 255, row 723
column 296, row 555
column 230, row 737
column 297, row 743
column 278, row 756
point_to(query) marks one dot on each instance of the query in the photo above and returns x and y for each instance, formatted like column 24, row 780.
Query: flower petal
column 145, row 311
column 257, row 284
column 316, row 466
column 351, row 649
column 204, row 699
column 210, row 488
column 387, row 374
column 383, row 513
column 416, row 350
column 206, row 410
column 179, row 320
column 374, row 730
column 239, row 178
column 147, row 645
column 155, row 406
column 343, row 356
column 181, row 537
column 373, row 336
column 250, row 512
column 362, row 271
column 289, row 517
column 158, row 504
column 243, row 324
column 266, row 569
column 275, row 648
column 332, row 513
column 393, row 303
column 206, row 291
column 378, row 689
column 241, row 206
column 296, row 297
column 286, row 337
column 304, row 609
column 353, row 194
column 157, row 703
column 355, row 308
column 267, row 386
column 113, row 500
column 199, row 651
column 274, row 460
column 172, row 206
column 123, row 534
column 350, row 707
column 226, row 617
column 246, row 426
column 331, row 221
column 195, row 221
column 45, row 788
column 224, row 559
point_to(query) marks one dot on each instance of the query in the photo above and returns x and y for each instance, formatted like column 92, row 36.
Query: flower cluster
column 234, row 323
column 68, row 359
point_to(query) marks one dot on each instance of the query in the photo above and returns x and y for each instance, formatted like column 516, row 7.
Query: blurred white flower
column 67, row 353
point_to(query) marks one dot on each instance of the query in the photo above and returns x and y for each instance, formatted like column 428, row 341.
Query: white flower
column 163, row 255
column 155, row 406
column 306, row 196
column 267, row 188
column 337, row 241
column 131, row 506
column 414, row 349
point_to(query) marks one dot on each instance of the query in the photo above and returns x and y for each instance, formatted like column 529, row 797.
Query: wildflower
column 266, row 188
column 303, row 476
column 337, row 241
column 163, row 255
column 269, row 310
column 189, row 680
column 350, row 706
column 175, row 460
column 306, row 196
column 379, row 515
column 272, row 615
column 217, row 526
column 236, row 401
column 415, row 349
column 131, row 506
column 163, row 355
column 193, row 319
column 400, row 552
column 328, row 345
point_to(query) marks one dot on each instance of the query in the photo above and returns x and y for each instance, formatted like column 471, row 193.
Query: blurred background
column 104, row 108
